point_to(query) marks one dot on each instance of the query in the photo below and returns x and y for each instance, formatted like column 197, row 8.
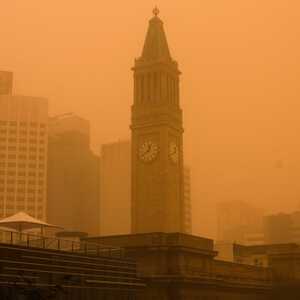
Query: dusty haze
column 239, row 89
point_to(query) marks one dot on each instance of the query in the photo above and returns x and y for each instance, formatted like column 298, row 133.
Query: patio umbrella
column 22, row 221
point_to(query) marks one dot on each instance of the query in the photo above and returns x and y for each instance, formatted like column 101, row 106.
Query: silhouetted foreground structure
column 33, row 268
column 180, row 266
column 169, row 266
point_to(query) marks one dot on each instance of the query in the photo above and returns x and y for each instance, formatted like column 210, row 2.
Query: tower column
column 157, row 159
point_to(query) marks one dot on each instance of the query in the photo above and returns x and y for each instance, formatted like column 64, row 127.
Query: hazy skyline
column 239, row 88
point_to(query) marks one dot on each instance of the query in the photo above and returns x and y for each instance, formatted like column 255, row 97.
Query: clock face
column 148, row 151
column 173, row 152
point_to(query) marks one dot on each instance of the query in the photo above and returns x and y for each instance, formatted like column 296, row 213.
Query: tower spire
column 155, row 11
column 156, row 46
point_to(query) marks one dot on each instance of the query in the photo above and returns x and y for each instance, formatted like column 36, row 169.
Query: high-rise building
column 6, row 83
column 23, row 155
column 157, row 132
column 187, row 200
column 115, row 190
column 239, row 222
column 282, row 228
column 73, row 175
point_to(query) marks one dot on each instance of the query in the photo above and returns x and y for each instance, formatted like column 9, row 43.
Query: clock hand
column 174, row 151
column 148, row 149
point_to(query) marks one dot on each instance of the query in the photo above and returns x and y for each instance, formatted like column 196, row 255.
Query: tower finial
column 155, row 11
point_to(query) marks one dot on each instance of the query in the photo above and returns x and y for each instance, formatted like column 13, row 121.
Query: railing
column 53, row 243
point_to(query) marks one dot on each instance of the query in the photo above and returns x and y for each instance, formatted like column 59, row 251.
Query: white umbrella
column 22, row 221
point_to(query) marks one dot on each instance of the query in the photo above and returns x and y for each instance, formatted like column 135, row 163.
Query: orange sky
column 240, row 84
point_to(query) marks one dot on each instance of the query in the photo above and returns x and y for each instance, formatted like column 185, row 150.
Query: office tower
column 157, row 133
column 115, row 190
column 73, row 175
column 239, row 222
column 282, row 228
column 187, row 209
column 23, row 155
column 6, row 83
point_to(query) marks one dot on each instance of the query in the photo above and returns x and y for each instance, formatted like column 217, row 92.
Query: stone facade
column 181, row 266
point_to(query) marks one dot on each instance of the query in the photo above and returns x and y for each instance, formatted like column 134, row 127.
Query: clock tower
column 156, row 126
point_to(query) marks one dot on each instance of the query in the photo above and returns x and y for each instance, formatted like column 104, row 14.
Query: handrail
column 54, row 243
